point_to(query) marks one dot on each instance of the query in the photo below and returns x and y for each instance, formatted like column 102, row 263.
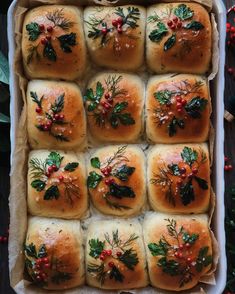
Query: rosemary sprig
column 57, row 17
column 118, row 157
column 98, row 271
column 71, row 191
column 37, row 168
column 114, row 205
column 112, row 85
column 117, row 242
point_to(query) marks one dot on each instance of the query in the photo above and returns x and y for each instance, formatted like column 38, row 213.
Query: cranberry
column 56, row 116
column 179, row 25
column 119, row 253
column 232, row 29
column 49, row 29
column 175, row 19
column 184, row 102
column 49, row 123
column 106, row 173
column 50, row 169
column 180, row 255
column 183, row 170
column 109, row 252
column 228, row 25
column 41, row 27
column 107, row 96
column 103, row 170
column 38, row 278
column 176, row 254
column 178, row 104
column 190, row 176
column 1, row 239
column 43, row 41
column 194, row 170
column 102, row 257
column 188, row 245
column 39, row 260
column 178, row 99
column 109, row 169
column 61, row 178
column 230, row 167
column 119, row 30
column 183, row 176
column 47, row 265
column 54, row 167
column 181, row 246
column 230, row 70
column 120, row 21
column 169, row 23
column 38, row 109
column 48, row 38
column 44, row 276
column 110, row 101
column 173, row 27
column 114, row 23
column 46, row 128
column 104, row 31
column 103, row 252
column 189, row 259
column 179, row 110
column 45, row 259
column 48, row 174
column 107, row 181
column 61, row 116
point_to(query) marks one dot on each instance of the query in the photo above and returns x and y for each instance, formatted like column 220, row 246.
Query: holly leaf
column 158, row 249
column 174, row 168
column 120, row 192
column 158, row 34
column 96, row 247
column 187, row 238
column 38, row 185
column 126, row 119
column 33, row 31
column 119, row 107
column 163, row 97
column 194, row 25
column 71, row 166
column 58, row 104
column 123, row 172
column 42, row 252
column 183, row 12
column 187, row 193
column 67, row 41
column 170, row 42
column 95, row 162
column 173, row 125
column 52, row 193
column 189, row 155
column 99, row 90
column 49, row 52
column 203, row 260
column 31, row 250
column 116, row 274
column 202, row 183
column 93, row 180
column 170, row 267
column 129, row 258
column 35, row 99
column 195, row 106
column 54, row 158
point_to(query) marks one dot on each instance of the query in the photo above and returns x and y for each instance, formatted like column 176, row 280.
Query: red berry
column 61, row 116
column 41, row 27
column 188, row 245
column 39, row 260
column 48, row 38
column 104, row 252
column 107, row 106
column 49, row 123
column 107, row 181
column 226, row 168
column 179, row 105
column 54, row 167
column 120, row 20
column 179, row 25
column 190, row 175
column 181, row 246
column 230, row 70
column 114, row 23
column 44, row 276
column 232, row 29
column 110, row 101
column 179, row 110
column 119, row 30
column 104, row 31
column 230, row 167
column 194, row 170
column 183, row 176
column 228, row 25
column 111, row 264
column 47, row 265
column 48, row 174
column 46, row 128
column 43, row 41
column 178, row 99
column 183, row 170
column 103, row 170
column 38, row 278
column 107, row 96
column 119, row 253
column 50, row 169
column 106, row 174
column 45, row 259
column 56, row 116
column 61, row 178
column 176, row 254
column 180, row 255
column 175, row 19
column 184, row 102
column 173, row 27
column 169, row 23
column 102, row 257
column 38, row 109
column 226, row 158
column 109, row 169
column 49, row 29
column 109, row 252
column 189, row 259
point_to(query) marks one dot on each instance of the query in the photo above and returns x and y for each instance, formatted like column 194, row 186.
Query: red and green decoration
column 186, row 174
column 176, row 259
column 112, row 252
column 44, row 37
column 44, row 269
column 175, row 100
column 121, row 23
column 116, row 167
column 53, row 120
column 51, row 172
column 173, row 20
column 102, row 106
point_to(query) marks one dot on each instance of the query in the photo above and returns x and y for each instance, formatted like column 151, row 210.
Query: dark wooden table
column 4, row 156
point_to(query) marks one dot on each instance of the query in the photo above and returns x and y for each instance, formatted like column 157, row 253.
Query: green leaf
column 187, row 238
column 202, row 183
column 173, row 125
column 187, row 193
column 58, row 104
column 30, row 250
column 189, row 155
column 92, row 106
column 123, row 172
column 4, row 118
column 116, row 274
column 99, row 90
column 163, row 97
column 158, row 34
column 129, row 258
column 52, row 193
column 95, row 162
column 203, row 260
column 183, row 12
column 93, row 180
column 170, row 42
column 67, row 41
column 126, row 119
column 119, row 107
column 54, row 158
column 174, row 168
column 35, row 99
column 89, row 95
column 96, row 247
column 38, row 185
column 120, row 192
column 71, row 166
column 49, row 52
column 195, row 106
column 158, row 249
column 170, row 267
column 42, row 252
column 4, row 69
column 61, row 277
column 194, row 25
column 33, row 31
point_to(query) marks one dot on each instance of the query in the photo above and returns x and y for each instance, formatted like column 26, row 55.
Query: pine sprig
column 37, row 168
column 57, row 17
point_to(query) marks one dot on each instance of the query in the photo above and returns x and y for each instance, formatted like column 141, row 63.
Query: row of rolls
column 177, row 37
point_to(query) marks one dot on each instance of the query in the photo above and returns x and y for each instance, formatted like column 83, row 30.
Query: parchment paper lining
column 17, row 199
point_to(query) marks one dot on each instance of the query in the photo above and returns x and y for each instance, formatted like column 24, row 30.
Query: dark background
column 5, row 154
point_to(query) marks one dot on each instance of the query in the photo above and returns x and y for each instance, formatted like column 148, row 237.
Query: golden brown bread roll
column 54, row 255
column 116, row 180
column 114, row 105
column 178, row 38
column 178, row 178
column 115, row 35
column 55, row 115
column 115, row 257
column 53, row 43
column 179, row 250
column 178, row 109
column 57, row 184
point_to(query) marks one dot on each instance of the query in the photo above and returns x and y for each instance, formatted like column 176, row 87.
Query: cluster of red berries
column 180, row 104
column 179, row 254
column 48, row 29
column 47, row 126
column 175, row 23
column 51, row 169
column 109, row 181
column 118, row 23
column 106, row 171
column 231, row 31
column 106, row 253
column 227, row 167
column 39, row 268
column 107, row 103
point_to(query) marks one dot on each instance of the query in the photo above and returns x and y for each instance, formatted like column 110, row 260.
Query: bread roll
column 57, row 184
column 178, row 178
column 179, row 250
column 178, row 109
column 178, row 38
column 115, row 257
column 55, row 115
column 53, row 43
column 114, row 105
column 116, row 180
column 54, row 255
column 115, row 35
